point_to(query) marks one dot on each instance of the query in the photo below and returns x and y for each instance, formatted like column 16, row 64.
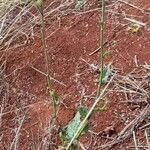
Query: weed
column 69, row 131
column 101, row 51
column 53, row 94
column 104, row 74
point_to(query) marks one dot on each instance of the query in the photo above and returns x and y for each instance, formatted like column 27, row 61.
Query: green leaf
column 63, row 135
column 84, row 129
column 74, row 146
column 55, row 97
column 73, row 126
column 106, row 73
column 69, row 131
column 83, row 111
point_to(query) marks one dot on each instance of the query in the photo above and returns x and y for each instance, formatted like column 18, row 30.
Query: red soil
column 76, row 38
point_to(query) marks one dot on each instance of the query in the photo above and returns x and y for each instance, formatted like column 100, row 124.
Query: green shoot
column 100, row 91
column 101, row 51
column 53, row 94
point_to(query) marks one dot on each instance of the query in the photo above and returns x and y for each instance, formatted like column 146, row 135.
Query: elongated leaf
column 55, row 97
column 106, row 73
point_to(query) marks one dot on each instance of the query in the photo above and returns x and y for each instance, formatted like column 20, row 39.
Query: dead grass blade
column 128, row 130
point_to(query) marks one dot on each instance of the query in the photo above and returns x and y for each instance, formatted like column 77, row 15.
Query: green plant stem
column 89, row 113
column 48, row 71
column 99, row 92
column 101, row 50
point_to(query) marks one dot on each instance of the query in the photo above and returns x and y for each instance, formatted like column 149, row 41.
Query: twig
column 147, row 140
column 131, row 5
column 135, row 21
column 145, row 126
column 90, row 65
column 46, row 75
column 95, row 51
column 146, row 66
column 82, row 146
column 16, row 138
column 134, row 139
column 136, row 61
column 98, row 49
column 18, row 109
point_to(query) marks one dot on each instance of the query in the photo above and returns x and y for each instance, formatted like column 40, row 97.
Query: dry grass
column 18, row 21
column 14, row 23
column 136, row 87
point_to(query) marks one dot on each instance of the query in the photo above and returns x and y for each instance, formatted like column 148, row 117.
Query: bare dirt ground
column 71, row 39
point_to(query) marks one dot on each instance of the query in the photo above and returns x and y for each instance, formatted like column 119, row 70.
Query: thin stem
column 99, row 92
column 101, row 50
column 48, row 71
column 46, row 53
